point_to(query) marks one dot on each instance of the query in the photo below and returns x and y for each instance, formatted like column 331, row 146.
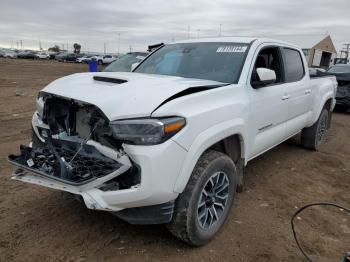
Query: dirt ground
column 38, row 224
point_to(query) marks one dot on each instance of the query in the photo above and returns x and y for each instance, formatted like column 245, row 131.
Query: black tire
column 185, row 223
column 312, row 137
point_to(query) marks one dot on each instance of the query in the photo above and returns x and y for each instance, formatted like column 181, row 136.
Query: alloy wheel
column 213, row 200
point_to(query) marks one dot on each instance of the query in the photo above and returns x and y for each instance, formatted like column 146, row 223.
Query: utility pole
column 118, row 43
column 21, row 44
column 40, row 48
column 104, row 47
column 220, row 30
column 17, row 45
column 130, row 48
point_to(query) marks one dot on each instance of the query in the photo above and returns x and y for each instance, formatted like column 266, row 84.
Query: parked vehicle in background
column 342, row 74
column 313, row 70
column 103, row 59
column 27, row 55
column 343, row 61
column 8, row 54
column 68, row 57
column 85, row 58
column 125, row 62
column 168, row 142
column 52, row 54
column 42, row 55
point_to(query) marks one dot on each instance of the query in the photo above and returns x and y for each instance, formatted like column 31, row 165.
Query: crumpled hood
column 138, row 97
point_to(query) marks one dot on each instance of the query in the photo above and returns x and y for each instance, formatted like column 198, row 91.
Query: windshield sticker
column 140, row 57
column 231, row 49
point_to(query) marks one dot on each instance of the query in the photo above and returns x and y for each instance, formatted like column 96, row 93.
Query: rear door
column 299, row 91
column 268, row 106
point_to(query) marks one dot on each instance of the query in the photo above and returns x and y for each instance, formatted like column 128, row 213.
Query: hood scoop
column 109, row 80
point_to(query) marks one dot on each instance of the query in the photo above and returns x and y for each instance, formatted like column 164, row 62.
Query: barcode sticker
column 231, row 49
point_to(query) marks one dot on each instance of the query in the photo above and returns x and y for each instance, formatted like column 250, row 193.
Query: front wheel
column 203, row 207
column 313, row 136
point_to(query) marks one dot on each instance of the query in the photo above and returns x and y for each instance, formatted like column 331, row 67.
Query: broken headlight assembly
column 147, row 131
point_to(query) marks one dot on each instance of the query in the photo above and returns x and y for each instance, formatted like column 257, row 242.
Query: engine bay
column 78, row 144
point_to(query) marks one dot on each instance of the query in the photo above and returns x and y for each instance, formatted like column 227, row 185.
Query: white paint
column 262, row 118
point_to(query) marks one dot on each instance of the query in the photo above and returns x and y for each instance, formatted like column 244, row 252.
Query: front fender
column 203, row 141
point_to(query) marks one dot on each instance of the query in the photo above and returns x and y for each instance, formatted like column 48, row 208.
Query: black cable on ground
column 302, row 209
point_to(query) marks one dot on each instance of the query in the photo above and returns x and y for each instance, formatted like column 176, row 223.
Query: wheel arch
column 327, row 102
column 223, row 137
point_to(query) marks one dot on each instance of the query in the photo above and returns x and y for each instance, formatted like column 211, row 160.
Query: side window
column 294, row 67
column 270, row 58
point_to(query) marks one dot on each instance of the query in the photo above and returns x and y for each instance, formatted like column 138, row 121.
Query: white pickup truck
column 168, row 142
column 103, row 59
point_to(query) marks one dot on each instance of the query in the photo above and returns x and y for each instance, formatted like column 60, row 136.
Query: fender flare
column 319, row 106
column 205, row 140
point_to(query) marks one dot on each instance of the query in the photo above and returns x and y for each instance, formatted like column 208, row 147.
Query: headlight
column 147, row 131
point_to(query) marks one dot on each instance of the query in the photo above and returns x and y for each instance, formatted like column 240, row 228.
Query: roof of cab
column 231, row 39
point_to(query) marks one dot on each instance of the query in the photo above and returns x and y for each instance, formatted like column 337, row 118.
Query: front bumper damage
column 71, row 166
column 343, row 94
column 67, row 153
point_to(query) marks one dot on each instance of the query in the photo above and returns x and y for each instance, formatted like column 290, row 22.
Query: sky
column 134, row 24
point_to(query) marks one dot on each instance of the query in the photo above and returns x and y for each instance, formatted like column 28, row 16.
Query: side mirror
column 133, row 66
column 265, row 76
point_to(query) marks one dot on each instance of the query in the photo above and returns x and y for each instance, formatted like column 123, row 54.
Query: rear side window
column 294, row 68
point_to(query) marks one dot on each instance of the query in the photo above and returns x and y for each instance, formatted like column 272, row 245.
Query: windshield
column 124, row 63
column 212, row 61
column 339, row 69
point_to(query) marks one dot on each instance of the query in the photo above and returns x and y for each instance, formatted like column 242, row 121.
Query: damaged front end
column 73, row 149
column 343, row 94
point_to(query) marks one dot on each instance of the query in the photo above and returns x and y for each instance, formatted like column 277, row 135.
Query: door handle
column 308, row 91
column 285, row 97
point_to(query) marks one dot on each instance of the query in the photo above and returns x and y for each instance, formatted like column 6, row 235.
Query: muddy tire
column 203, row 207
column 313, row 136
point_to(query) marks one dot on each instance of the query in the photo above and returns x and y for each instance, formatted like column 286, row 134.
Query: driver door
column 268, row 105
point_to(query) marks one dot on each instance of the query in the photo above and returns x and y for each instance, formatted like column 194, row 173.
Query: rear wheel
column 313, row 136
column 204, row 206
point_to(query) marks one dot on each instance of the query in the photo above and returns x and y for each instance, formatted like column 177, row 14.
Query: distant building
column 319, row 50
